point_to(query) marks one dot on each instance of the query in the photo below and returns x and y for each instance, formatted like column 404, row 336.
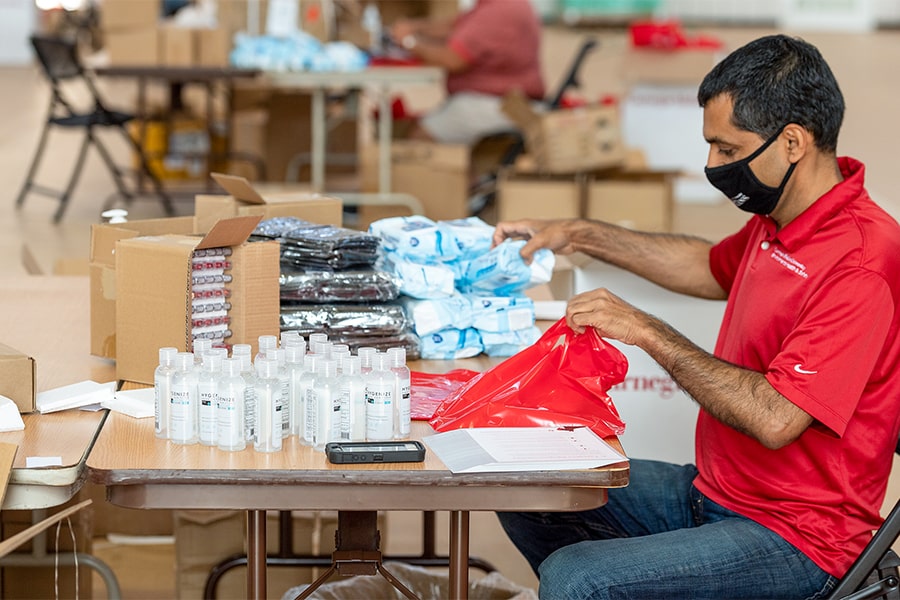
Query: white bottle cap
column 167, row 355
column 231, row 367
column 267, row 368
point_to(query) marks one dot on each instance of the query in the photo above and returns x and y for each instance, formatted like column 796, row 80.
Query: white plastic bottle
column 207, row 388
column 230, row 407
column 353, row 401
column 307, row 426
column 326, row 391
column 294, row 359
column 183, row 405
column 201, row 347
column 379, row 401
column 402, row 390
column 265, row 342
column 292, row 338
column 285, row 382
column 366, row 354
column 268, row 413
column 162, row 389
column 249, row 375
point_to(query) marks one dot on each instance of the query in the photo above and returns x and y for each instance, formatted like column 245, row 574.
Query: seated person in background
column 486, row 51
column 799, row 412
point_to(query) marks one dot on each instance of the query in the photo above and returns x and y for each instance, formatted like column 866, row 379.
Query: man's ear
column 799, row 141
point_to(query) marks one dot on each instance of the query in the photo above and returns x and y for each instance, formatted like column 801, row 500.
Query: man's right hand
column 553, row 235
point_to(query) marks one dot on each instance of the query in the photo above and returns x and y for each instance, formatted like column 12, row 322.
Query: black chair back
column 876, row 571
column 58, row 57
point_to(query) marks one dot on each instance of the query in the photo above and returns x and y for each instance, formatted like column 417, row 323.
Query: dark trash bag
column 561, row 380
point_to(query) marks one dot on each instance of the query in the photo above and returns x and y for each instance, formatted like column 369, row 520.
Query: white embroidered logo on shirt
column 799, row 369
column 789, row 262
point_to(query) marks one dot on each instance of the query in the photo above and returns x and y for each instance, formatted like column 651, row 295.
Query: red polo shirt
column 814, row 307
column 501, row 41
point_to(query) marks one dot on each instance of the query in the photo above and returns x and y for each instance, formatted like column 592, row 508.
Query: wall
column 17, row 21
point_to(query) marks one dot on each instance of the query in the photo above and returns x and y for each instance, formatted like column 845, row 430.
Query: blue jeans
column 660, row 538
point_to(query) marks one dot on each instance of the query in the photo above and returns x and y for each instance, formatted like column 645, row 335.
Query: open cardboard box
column 568, row 140
column 244, row 200
column 18, row 374
column 102, row 272
column 153, row 299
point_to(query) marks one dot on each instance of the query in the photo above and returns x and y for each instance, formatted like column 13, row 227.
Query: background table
column 382, row 80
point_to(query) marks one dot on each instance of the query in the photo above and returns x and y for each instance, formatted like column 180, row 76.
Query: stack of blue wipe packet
column 463, row 296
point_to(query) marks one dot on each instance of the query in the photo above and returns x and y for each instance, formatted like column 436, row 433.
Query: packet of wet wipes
column 503, row 272
column 416, row 238
column 501, row 313
column 433, row 315
column 509, row 342
column 448, row 344
column 420, row 280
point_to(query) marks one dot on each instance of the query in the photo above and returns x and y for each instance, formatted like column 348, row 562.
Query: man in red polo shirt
column 487, row 51
column 800, row 401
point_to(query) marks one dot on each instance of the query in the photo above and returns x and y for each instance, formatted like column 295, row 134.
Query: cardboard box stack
column 135, row 33
column 141, row 275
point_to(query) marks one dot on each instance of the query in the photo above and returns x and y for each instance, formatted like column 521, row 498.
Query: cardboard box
column 18, row 374
column 570, row 140
column 536, row 196
column 212, row 47
column 245, row 200
column 204, row 538
column 153, row 301
column 679, row 66
column 129, row 14
column 102, row 272
column 132, row 47
column 638, row 200
column 436, row 174
column 177, row 46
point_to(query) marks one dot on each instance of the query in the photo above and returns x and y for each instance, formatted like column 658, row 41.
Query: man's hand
column 552, row 235
column 611, row 316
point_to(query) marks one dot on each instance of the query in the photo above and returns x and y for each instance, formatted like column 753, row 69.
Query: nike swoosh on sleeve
column 799, row 369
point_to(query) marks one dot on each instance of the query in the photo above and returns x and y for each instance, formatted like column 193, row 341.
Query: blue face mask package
column 503, row 272
column 510, row 342
column 472, row 236
column 418, row 280
column 449, row 344
column 415, row 238
column 501, row 314
column 429, row 316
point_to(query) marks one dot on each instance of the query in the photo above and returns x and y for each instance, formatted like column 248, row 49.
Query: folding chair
column 484, row 190
column 875, row 573
column 59, row 60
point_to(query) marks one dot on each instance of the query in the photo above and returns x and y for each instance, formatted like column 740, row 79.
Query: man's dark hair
column 776, row 80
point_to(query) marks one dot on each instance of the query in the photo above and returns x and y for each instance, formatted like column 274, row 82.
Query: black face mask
column 737, row 181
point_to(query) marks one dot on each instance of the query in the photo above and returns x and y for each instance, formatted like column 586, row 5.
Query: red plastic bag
column 561, row 380
column 428, row 390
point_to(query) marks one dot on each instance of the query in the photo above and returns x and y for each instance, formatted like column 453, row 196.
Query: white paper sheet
column 75, row 395
column 496, row 449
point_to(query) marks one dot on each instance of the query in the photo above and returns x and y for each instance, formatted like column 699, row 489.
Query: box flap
column 230, row 232
column 518, row 108
column 238, row 187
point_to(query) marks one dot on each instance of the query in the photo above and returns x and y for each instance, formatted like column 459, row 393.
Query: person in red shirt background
column 487, row 51
column 799, row 413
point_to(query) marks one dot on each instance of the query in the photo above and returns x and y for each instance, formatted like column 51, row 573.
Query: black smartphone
column 375, row 452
